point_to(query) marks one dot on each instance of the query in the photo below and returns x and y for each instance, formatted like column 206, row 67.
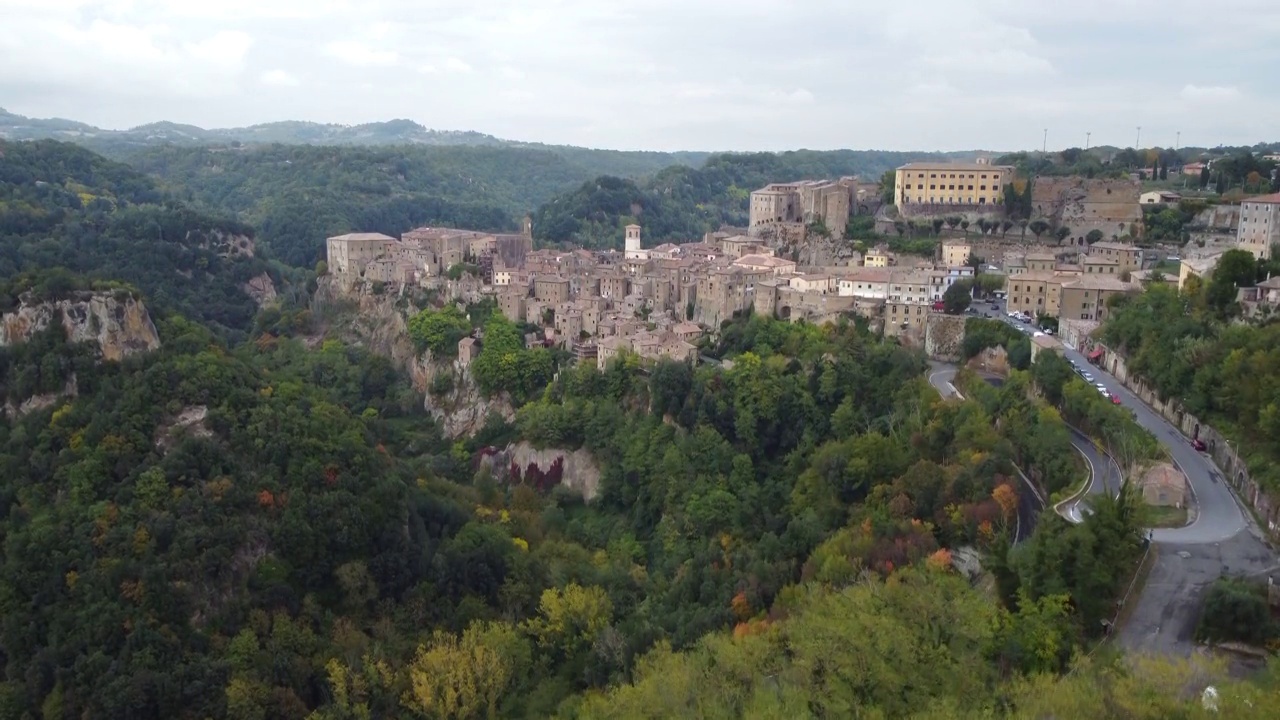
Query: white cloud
column 278, row 78
column 226, row 48
column 646, row 73
column 1209, row 92
column 455, row 65
column 354, row 52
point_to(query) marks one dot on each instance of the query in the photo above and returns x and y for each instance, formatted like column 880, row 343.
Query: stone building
column 551, row 289
column 955, row 253
column 722, row 292
column 867, row 283
column 829, row 202
column 905, row 320
column 347, row 255
column 512, row 305
column 468, row 350
column 942, row 186
column 1259, row 225
column 1127, row 257
column 1163, row 485
column 1085, row 298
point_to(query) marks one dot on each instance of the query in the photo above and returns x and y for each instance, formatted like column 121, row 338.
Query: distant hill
column 116, row 143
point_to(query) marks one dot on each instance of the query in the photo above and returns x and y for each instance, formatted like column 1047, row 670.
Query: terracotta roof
column 1272, row 199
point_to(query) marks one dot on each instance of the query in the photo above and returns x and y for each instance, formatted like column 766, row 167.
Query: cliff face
column 463, row 410
column 377, row 321
column 118, row 324
column 261, row 289
column 522, row 463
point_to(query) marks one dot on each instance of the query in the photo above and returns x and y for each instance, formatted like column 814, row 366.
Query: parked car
column 1198, row 444
column 1115, row 399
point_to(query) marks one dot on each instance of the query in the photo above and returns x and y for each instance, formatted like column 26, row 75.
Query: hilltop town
column 1087, row 245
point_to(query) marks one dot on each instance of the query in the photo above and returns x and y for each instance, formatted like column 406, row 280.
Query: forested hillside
column 681, row 203
column 62, row 206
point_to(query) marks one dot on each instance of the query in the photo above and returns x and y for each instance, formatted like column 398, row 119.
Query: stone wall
column 944, row 336
column 1224, row 455
column 1084, row 204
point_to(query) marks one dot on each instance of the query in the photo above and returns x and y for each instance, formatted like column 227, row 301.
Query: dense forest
column 62, row 206
column 1191, row 345
column 681, row 203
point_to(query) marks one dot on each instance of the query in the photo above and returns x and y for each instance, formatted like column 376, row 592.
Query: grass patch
column 1157, row 516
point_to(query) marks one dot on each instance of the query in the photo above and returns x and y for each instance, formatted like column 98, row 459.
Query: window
column 931, row 186
column 970, row 187
column 983, row 187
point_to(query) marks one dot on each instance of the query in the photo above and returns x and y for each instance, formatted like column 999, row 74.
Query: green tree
column 957, row 297
column 1038, row 227
column 1093, row 236
column 439, row 330
column 1061, row 233
column 1235, row 269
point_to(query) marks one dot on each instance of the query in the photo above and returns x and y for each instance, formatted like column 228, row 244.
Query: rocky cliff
column 116, row 322
column 378, row 321
column 462, row 409
column 261, row 289
column 523, row 463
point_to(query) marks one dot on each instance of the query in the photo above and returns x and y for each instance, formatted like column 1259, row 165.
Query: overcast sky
column 665, row 74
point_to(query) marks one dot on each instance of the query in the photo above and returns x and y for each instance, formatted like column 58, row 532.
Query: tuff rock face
column 261, row 289
column 117, row 323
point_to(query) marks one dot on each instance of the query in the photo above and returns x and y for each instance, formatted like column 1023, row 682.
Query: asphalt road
column 1104, row 476
column 1219, row 516
column 1221, row 540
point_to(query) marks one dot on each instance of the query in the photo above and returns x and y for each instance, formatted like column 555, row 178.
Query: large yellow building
column 950, row 184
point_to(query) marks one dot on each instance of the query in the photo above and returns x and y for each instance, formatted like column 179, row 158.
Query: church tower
column 631, row 247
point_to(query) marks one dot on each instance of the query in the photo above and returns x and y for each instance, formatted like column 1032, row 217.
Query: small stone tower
column 632, row 246
column 526, row 227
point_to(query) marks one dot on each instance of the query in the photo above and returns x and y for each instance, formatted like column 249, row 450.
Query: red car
column 1198, row 445
column 1115, row 399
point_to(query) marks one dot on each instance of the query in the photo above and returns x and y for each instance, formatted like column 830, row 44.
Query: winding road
column 1221, row 540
